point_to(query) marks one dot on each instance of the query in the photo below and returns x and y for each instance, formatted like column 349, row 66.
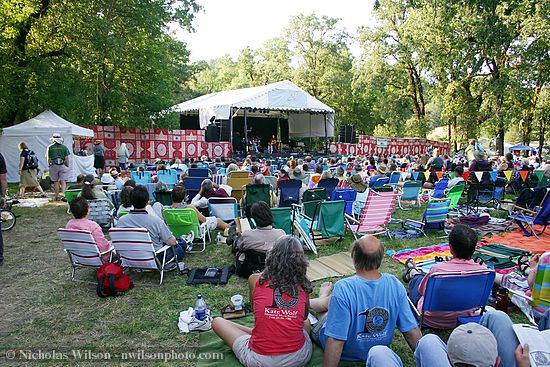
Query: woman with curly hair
column 280, row 297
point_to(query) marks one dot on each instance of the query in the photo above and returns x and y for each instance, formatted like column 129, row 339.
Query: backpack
column 111, row 281
column 31, row 160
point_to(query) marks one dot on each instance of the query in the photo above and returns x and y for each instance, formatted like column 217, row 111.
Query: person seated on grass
column 158, row 230
column 253, row 245
column 462, row 244
column 79, row 209
column 178, row 195
column 79, row 183
column 91, row 191
column 362, row 311
column 280, row 298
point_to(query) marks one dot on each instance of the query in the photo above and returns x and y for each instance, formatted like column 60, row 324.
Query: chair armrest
column 164, row 248
column 349, row 217
column 107, row 251
column 413, row 307
column 519, row 294
column 414, row 221
column 524, row 210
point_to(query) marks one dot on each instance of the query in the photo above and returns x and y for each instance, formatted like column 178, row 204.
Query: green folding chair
column 329, row 219
column 70, row 195
column 455, row 193
column 311, row 200
column 255, row 193
column 282, row 219
column 185, row 220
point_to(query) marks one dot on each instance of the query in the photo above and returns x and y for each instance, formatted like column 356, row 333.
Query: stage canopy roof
column 520, row 147
column 307, row 116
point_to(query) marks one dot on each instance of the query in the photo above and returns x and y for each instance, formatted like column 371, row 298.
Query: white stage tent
column 307, row 116
column 36, row 133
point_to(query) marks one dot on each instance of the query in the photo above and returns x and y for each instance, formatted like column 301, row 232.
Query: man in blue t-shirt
column 363, row 311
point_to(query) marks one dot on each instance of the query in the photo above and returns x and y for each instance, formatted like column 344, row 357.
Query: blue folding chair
column 409, row 192
column 526, row 218
column 193, row 186
column 439, row 188
column 289, row 192
column 169, row 177
column 198, row 172
column 348, row 195
column 329, row 184
column 394, row 178
column 457, row 291
column 141, row 177
column 379, row 182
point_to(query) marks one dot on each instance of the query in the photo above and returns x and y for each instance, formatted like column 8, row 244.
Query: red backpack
column 111, row 281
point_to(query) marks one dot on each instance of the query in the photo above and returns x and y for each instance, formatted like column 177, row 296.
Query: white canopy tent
column 36, row 133
column 307, row 116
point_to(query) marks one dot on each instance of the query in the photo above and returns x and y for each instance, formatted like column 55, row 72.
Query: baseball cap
column 472, row 344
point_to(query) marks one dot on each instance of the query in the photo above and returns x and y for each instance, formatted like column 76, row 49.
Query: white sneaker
column 189, row 238
column 211, row 223
column 200, row 325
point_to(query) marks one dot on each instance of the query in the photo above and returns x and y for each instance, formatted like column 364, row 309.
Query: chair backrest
column 238, row 174
column 454, row 194
column 394, row 178
column 377, row 210
column 198, row 172
column 329, row 184
column 282, row 219
column 217, row 178
column 167, row 176
column 458, row 291
column 437, row 211
column 329, row 219
column 541, row 287
column 257, row 192
column 379, row 181
column 236, row 184
column 348, row 195
column 81, row 247
column 225, row 209
column 141, row 177
column 289, row 192
column 543, row 215
column 193, row 186
column 163, row 197
column 411, row 190
column 181, row 221
column 439, row 188
column 311, row 200
column 101, row 212
column 135, row 248
column 71, row 194
column 271, row 180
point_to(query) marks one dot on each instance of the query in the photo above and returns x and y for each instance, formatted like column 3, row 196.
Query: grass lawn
column 43, row 310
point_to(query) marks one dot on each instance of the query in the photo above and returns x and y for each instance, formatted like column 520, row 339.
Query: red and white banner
column 152, row 144
column 369, row 145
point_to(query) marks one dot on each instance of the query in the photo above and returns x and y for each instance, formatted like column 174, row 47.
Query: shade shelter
column 36, row 133
column 307, row 116
column 520, row 147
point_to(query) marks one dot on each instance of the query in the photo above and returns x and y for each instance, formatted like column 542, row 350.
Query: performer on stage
column 272, row 146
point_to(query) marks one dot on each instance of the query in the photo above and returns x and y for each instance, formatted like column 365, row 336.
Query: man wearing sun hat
column 117, row 181
column 58, row 161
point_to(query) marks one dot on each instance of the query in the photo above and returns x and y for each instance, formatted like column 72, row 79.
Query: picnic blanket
column 517, row 240
column 424, row 257
column 211, row 344
column 503, row 258
column 484, row 225
column 32, row 203
column 336, row 265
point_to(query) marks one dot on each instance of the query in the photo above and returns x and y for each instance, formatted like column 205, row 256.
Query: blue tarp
column 520, row 147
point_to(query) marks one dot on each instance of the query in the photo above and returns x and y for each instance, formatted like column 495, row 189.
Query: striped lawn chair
column 136, row 250
column 218, row 179
column 434, row 218
column 375, row 216
column 102, row 212
column 81, row 248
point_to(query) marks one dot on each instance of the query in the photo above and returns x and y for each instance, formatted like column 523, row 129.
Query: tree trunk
column 527, row 121
column 542, row 128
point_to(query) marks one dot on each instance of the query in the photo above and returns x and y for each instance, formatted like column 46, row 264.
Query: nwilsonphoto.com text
column 97, row 355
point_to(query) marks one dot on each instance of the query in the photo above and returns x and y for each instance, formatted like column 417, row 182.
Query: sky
column 228, row 26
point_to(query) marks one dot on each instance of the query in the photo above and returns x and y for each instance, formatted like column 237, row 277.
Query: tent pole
column 230, row 128
column 245, row 133
column 326, row 133
column 310, row 138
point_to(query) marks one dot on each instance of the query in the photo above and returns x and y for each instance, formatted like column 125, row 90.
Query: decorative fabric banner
column 508, row 174
column 539, row 174
column 523, row 175
column 439, row 174
column 465, row 175
column 479, row 176
column 404, row 176
column 426, row 175
column 494, row 175
column 415, row 175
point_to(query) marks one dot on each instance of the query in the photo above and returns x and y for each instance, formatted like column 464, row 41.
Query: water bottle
column 219, row 238
column 200, row 308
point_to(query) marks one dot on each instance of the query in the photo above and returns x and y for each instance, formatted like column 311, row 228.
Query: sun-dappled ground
column 42, row 310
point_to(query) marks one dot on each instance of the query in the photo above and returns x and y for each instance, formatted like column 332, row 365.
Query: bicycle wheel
column 7, row 219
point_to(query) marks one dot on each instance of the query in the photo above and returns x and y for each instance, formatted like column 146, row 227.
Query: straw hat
column 383, row 169
column 356, row 182
column 97, row 141
column 297, row 174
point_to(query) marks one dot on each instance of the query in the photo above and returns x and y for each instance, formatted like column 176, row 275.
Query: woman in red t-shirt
column 280, row 297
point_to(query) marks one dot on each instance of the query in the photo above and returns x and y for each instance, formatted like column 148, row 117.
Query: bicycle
column 7, row 217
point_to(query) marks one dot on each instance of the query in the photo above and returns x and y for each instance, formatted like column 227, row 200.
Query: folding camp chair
column 439, row 189
column 217, row 179
column 329, row 184
column 454, row 194
column 136, row 250
column 311, row 199
column 198, row 172
column 282, row 219
column 327, row 223
column 225, row 209
column 141, row 177
column 394, row 179
column 182, row 221
column 253, row 193
column 82, row 249
column 526, row 218
column 238, row 174
column 163, row 197
column 434, row 218
column 410, row 192
column 379, row 181
column 538, row 302
column 375, row 215
column 237, row 184
column 457, row 291
column 289, row 192
column 348, row 195
column 168, row 177
column 69, row 196
column 193, row 186
column 101, row 211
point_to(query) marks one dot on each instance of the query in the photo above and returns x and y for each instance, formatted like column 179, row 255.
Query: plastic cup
column 237, row 301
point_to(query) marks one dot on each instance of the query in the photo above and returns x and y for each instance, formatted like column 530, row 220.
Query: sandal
column 478, row 260
column 409, row 266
